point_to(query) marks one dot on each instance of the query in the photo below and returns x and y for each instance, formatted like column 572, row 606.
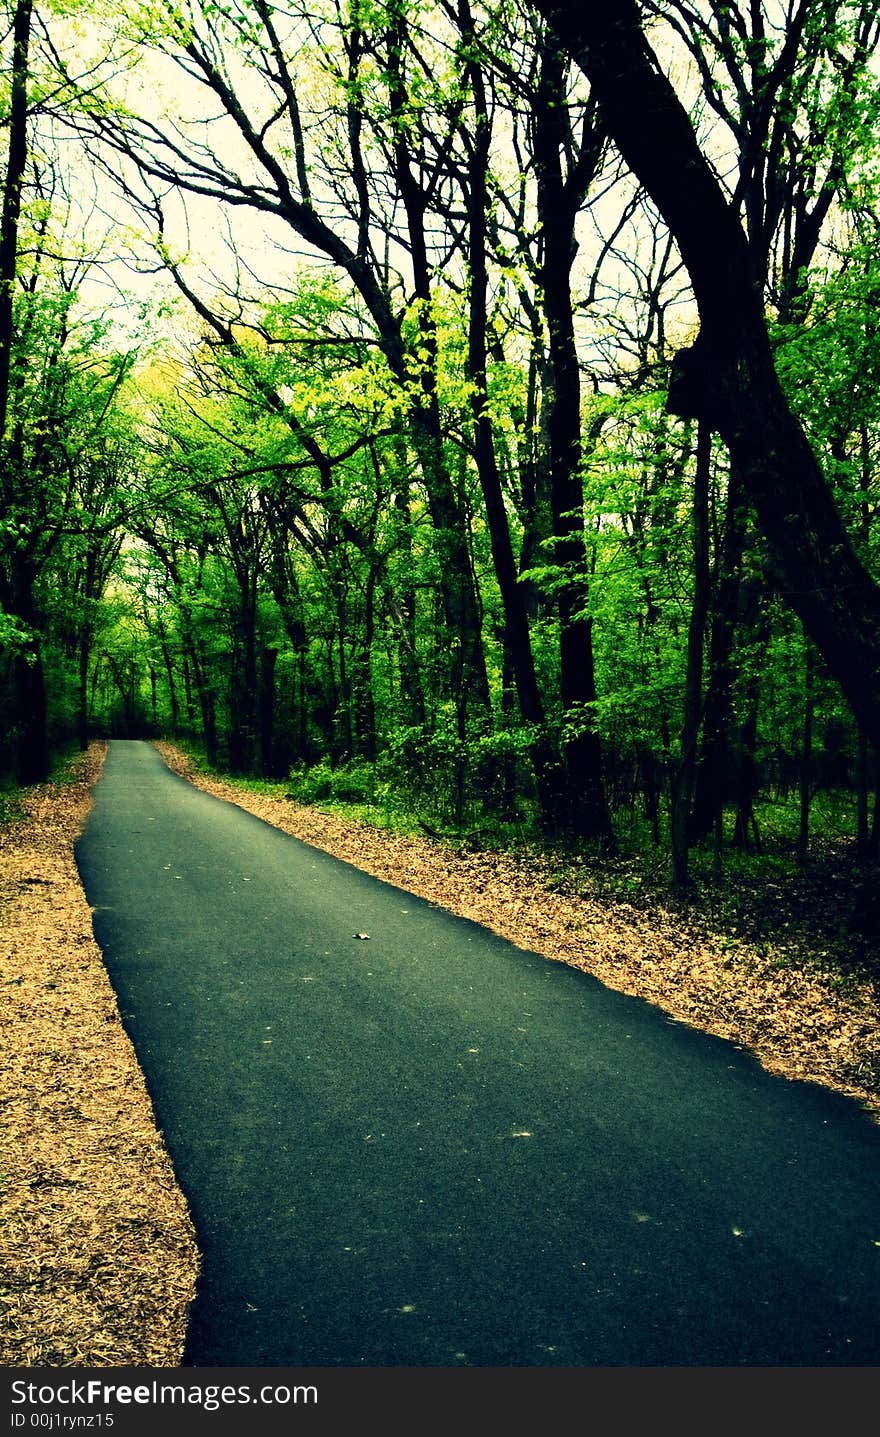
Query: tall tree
column 735, row 383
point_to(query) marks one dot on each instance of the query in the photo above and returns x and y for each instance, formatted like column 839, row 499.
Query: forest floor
column 96, row 1244
column 97, row 1251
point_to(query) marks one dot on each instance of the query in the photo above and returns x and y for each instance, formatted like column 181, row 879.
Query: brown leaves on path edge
column 798, row 1021
column 97, row 1251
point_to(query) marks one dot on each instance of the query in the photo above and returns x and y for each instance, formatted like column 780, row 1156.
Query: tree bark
column 16, row 162
column 517, row 637
column 586, row 812
column 713, row 777
column 683, row 779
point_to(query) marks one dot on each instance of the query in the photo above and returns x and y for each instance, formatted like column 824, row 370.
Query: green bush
column 353, row 782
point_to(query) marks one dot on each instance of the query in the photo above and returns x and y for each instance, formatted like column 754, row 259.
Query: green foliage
column 350, row 783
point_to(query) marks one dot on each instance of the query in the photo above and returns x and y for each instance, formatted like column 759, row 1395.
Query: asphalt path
column 430, row 1148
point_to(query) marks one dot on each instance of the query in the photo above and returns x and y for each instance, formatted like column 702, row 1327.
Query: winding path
column 429, row 1148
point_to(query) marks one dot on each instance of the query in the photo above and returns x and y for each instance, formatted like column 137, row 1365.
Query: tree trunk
column 16, row 162
column 267, row 713
column 517, row 638
column 169, row 673
column 82, row 696
column 683, row 778
column 806, row 763
column 586, row 812
column 712, row 782
column 243, row 682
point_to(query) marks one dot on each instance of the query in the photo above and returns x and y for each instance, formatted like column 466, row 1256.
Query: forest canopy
column 469, row 409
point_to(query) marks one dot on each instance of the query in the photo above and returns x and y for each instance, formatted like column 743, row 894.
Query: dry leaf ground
column 96, row 1246
column 97, row 1252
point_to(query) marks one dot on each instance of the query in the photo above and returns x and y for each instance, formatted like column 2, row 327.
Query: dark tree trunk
column 82, row 696
column 862, row 794
column 683, row 778
column 28, row 710
column 806, row 760
column 745, row 774
column 586, row 809
column 16, row 162
column 29, row 694
column 243, row 683
column 517, row 638
column 363, row 703
column 469, row 680
column 268, row 767
column 29, row 716
column 411, row 690
column 169, row 673
column 205, row 696
column 713, row 777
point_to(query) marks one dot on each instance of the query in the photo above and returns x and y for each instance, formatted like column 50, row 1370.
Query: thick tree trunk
column 816, row 567
column 29, row 694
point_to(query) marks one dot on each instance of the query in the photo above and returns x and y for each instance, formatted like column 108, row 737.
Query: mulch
column 97, row 1250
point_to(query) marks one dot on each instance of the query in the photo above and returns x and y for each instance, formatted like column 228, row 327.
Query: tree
column 736, row 387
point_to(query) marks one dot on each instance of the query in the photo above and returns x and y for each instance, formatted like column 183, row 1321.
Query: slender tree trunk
column 683, row 780
column 517, row 638
column 862, row 794
column 712, row 783
column 243, row 681
column 365, row 704
column 469, row 681
column 82, row 696
column 196, row 669
column 266, row 716
column 16, row 162
column 806, row 763
column 411, row 690
column 169, row 674
column 586, row 808
column 746, row 833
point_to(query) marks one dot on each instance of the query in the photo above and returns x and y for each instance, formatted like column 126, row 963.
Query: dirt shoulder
column 799, row 1021
column 97, row 1251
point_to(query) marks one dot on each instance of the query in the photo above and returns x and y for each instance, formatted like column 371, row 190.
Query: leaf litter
column 97, row 1250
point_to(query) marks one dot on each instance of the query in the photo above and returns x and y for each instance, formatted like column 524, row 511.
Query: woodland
column 467, row 413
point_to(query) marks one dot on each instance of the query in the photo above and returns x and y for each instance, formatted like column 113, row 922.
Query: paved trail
column 428, row 1148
